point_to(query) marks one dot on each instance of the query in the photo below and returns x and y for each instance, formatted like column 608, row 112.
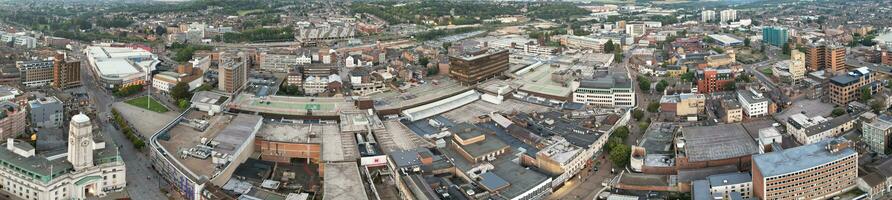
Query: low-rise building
column 753, row 102
column 683, row 104
column 811, row 130
column 584, row 42
column 848, row 87
column 165, row 81
column 731, row 111
column 612, row 90
column 722, row 185
column 46, row 112
column 13, row 119
column 876, row 133
column 117, row 67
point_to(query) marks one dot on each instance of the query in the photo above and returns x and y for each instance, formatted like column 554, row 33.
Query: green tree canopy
column 180, row 91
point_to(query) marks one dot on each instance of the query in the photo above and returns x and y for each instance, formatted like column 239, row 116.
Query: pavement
column 586, row 184
column 142, row 181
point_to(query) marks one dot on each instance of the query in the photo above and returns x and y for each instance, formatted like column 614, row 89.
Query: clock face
column 85, row 143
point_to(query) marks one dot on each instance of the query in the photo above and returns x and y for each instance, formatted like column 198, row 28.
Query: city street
column 142, row 181
column 586, row 184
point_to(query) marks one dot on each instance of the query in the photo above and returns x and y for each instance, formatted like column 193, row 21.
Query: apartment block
column 814, row 171
column 828, row 57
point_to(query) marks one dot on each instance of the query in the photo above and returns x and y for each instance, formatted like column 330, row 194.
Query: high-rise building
column 797, row 68
column 707, row 15
column 478, row 66
column 66, row 74
column 728, row 15
column 845, row 88
column 876, row 133
column 814, row 171
column 233, row 72
column 712, row 80
column 829, row 57
column 35, row 73
column 776, row 36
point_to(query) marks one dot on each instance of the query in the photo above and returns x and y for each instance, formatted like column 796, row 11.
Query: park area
column 148, row 104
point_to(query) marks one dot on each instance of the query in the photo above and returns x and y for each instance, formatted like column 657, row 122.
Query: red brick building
column 711, row 80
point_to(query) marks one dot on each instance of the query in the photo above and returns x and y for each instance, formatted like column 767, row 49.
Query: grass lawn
column 242, row 13
column 767, row 71
column 144, row 102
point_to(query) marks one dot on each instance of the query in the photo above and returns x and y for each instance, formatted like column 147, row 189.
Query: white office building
column 754, row 103
column 608, row 91
column 721, row 186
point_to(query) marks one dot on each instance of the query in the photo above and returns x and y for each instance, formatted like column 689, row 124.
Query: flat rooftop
column 241, row 129
column 342, row 181
column 539, row 81
column 658, row 138
column 798, row 158
column 705, row 143
column 725, row 39
column 359, row 121
column 417, row 95
column 729, row 179
column 285, row 105
column 183, row 137
column 295, row 132
column 339, row 146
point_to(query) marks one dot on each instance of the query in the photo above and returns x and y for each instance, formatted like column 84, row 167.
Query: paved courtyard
column 144, row 121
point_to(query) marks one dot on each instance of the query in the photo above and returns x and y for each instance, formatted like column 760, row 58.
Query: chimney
column 10, row 144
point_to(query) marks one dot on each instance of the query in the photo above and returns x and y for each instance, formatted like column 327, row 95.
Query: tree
column 653, row 107
column 621, row 132
column 838, row 112
column 637, row 114
column 618, row 57
column 687, row 77
column 865, row 94
column 746, row 42
column 160, row 30
column 183, row 104
column 620, row 154
column 662, row 85
column 643, row 83
column 877, row 105
column 180, row 91
column 127, row 91
column 743, row 78
column 730, row 86
column 446, row 45
column 608, row 47
column 423, row 61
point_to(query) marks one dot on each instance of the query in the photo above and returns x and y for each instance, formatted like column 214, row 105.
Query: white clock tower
column 80, row 142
